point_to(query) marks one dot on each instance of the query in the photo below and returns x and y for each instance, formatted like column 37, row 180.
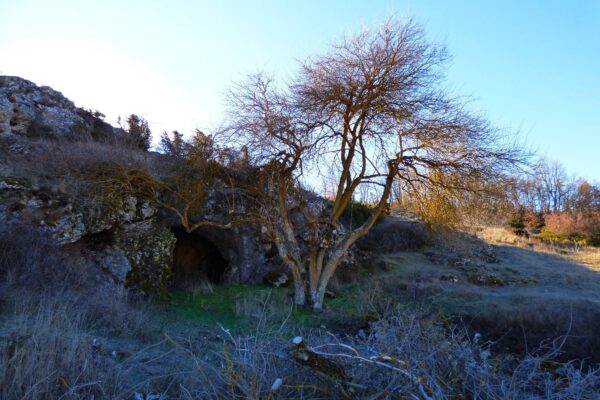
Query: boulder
column 148, row 246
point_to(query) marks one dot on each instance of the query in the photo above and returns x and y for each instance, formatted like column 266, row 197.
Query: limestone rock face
column 125, row 237
column 148, row 246
column 113, row 261
column 32, row 111
column 119, row 234
column 125, row 241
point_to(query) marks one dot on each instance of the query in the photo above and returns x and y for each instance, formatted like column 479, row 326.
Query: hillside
column 106, row 292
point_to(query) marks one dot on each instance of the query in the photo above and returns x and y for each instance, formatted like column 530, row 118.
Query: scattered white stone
column 297, row 340
column 276, row 384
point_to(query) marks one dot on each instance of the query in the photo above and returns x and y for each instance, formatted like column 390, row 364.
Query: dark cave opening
column 195, row 260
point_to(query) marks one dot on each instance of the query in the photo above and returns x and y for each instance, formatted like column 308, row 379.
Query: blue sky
column 531, row 66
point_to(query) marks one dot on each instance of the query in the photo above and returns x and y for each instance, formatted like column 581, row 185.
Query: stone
column 115, row 262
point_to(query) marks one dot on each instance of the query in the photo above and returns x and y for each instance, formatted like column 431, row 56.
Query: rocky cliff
column 54, row 159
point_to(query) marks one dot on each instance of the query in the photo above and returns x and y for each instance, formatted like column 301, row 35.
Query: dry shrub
column 533, row 220
column 573, row 226
column 405, row 354
column 435, row 206
column 67, row 159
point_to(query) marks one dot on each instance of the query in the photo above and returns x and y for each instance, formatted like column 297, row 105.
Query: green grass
column 208, row 311
column 409, row 279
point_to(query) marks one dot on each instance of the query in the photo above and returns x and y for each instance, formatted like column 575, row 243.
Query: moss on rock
column 148, row 246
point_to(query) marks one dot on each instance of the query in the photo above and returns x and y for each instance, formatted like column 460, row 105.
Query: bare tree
column 550, row 181
column 373, row 107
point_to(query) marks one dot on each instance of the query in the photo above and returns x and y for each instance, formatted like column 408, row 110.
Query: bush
column 517, row 220
column 533, row 220
column 139, row 132
column 574, row 227
column 405, row 354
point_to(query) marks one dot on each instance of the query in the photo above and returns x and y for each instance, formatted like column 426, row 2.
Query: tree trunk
column 318, row 286
column 317, row 296
column 299, row 289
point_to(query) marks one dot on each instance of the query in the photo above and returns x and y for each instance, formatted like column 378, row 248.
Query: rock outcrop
column 48, row 145
column 34, row 112
column 45, row 142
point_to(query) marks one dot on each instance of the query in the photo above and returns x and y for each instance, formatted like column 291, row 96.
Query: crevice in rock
column 195, row 260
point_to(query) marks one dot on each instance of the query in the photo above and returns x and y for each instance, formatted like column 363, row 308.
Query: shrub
column 533, row 220
column 576, row 227
column 139, row 132
column 404, row 354
column 517, row 220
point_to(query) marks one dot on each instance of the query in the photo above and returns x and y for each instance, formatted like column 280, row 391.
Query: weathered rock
column 148, row 246
column 114, row 261
column 32, row 111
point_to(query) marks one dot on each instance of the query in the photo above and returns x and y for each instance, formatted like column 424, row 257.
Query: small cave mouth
column 196, row 260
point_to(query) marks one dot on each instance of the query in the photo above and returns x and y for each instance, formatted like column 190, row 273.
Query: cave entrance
column 195, row 260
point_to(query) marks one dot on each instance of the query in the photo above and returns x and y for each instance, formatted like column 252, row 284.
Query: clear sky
column 531, row 66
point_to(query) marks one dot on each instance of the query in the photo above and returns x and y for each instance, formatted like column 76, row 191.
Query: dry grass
column 46, row 157
column 585, row 255
column 405, row 354
column 51, row 352
column 70, row 168
column 53, row 326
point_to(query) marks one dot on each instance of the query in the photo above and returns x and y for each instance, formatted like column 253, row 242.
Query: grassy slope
column 532, row 286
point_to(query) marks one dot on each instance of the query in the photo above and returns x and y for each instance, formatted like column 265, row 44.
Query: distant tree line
column 548, row 189
column 556, row 207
